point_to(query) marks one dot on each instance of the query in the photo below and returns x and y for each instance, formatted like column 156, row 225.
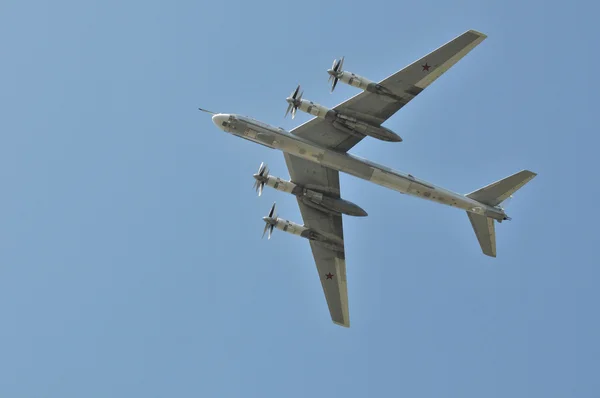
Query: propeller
column 207, row 111
column 335, row 72
column 294, row 102
column 270, row 222
column 261, row 178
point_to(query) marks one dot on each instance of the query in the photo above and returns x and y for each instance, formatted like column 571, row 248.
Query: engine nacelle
column 282, row 185
column 311, row 234
column 352, row 125
column 291, row 227
column 363, row 83
column 327, row 204
column 355, row 80
column 316, row 200
column 348, row 124
column 315, row 109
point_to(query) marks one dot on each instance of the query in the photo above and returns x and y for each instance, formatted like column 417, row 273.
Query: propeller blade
column 270, row 231
column 293, row 102
column 272, row 211
column 270, row 221
column 261, row 177
column 336, row 65
column 334, row 84
column 341, row 66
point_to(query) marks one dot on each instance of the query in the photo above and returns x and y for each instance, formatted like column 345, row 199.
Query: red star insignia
column 329, row 275
column 426, row 67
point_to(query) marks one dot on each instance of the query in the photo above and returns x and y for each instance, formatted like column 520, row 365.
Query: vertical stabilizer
column 485, row 231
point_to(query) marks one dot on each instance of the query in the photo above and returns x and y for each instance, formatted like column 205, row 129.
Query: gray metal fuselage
column 278, row 138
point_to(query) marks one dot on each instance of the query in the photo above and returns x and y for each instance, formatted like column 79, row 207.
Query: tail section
column 497, row 192
column 493, row 195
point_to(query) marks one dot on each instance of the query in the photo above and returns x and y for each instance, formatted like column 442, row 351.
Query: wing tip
column 531, row 173
column 346, row 324
column 483, row 36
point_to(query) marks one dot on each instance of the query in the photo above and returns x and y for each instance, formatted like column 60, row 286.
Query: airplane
column 316, row 151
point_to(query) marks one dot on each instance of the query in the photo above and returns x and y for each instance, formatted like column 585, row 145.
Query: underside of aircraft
column 316, row 151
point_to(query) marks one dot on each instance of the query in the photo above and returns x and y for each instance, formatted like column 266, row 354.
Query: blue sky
column 131, row 259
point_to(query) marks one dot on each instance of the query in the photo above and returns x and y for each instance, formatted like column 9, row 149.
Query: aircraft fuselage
column 278, row 138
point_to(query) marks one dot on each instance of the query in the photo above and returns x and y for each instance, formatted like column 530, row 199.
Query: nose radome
column 219, row 118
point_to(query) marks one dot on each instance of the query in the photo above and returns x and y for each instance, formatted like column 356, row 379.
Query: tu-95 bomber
column 316, row 151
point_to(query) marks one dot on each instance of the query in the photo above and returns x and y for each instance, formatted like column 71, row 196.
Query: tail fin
column 497, row 192
column 485, row 231
column 493, row 195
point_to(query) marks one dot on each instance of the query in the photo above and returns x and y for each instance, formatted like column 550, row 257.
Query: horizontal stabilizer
column 497, row 192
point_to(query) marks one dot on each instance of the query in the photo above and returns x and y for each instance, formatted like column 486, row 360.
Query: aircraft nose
column 219, row 118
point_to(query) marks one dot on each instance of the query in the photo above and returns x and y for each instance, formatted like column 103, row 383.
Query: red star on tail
column 426, row 67
column 329, row 275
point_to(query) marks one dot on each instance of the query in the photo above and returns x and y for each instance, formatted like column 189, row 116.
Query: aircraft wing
column 331, row 264
column 403, row 86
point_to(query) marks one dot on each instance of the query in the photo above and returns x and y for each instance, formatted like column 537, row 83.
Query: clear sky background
column 131, row 259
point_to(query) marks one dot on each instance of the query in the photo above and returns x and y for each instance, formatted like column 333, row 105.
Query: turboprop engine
column 336, row 72
column 272, row 222
column 309, row 197
column 296, row 102
column 340, row 121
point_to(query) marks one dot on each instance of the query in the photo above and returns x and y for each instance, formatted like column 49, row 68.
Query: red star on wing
column 426, row 67
column 329, row 275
